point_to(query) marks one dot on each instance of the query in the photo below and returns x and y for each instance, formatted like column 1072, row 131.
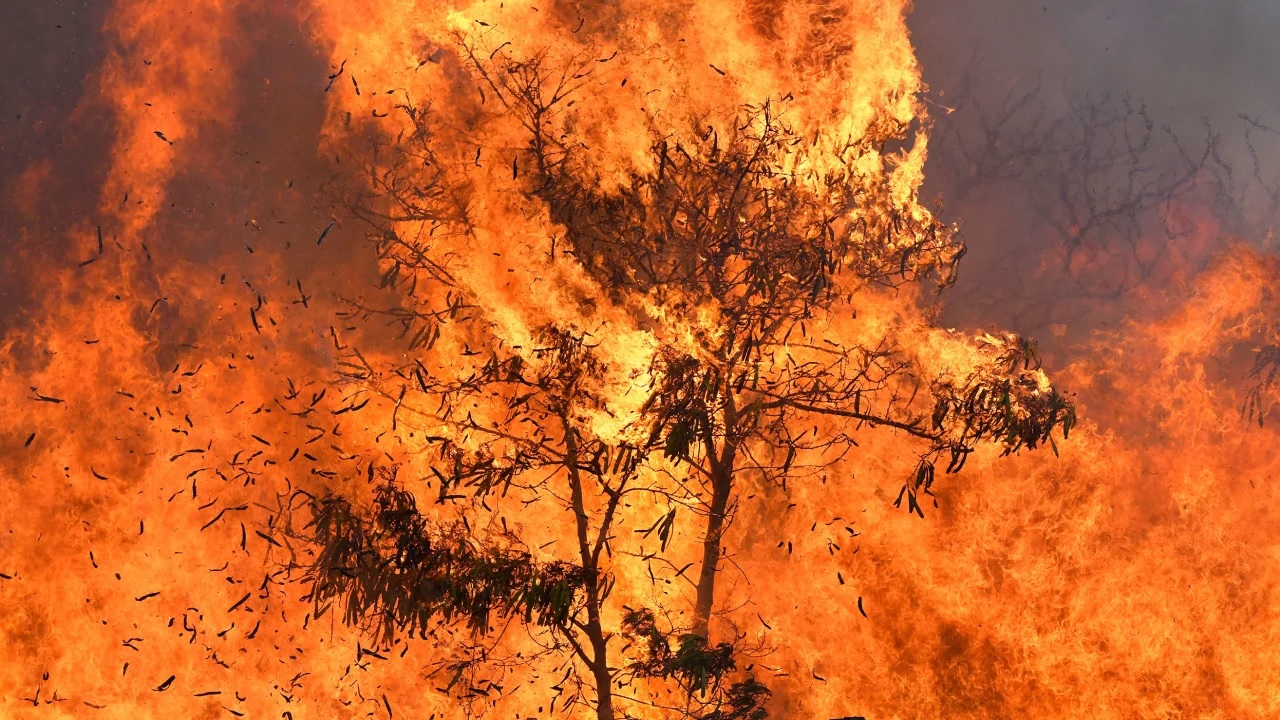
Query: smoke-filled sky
column 1196, row 67
column 1187, row 61
column 1187, row 58
column 47, row 51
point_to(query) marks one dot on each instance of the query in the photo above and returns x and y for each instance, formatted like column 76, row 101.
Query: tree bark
column 721, row 487
column 599, row 661
column 600, row 666
column 721, row 467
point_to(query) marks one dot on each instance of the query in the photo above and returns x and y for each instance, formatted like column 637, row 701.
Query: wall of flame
column 173, row 318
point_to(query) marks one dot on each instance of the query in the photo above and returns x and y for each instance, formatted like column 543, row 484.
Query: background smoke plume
column 1196, row 68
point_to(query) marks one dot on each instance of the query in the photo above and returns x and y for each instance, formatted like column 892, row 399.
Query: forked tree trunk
column 594, row 630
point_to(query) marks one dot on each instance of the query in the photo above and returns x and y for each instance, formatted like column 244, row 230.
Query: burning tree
column 403, row 571
column 733, row 248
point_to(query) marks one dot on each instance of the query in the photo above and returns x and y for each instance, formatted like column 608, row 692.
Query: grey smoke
column 1197, row 66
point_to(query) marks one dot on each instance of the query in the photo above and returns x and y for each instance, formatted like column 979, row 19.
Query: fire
column 241, row 321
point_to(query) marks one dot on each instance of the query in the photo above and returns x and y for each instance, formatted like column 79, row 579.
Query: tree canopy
column 737, row 246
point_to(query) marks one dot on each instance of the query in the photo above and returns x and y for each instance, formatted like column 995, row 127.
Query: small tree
column 516, row 424
column 728, row 228
column 733, row 246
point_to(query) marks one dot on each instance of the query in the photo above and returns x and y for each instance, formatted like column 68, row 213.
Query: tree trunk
column 600, row 668
column 721, row 486
column 599, row 661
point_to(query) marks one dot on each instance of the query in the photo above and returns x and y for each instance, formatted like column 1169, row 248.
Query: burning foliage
column 395, row 572
column 727, row 245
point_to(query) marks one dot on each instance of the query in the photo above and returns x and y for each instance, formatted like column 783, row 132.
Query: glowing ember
column 564, row 359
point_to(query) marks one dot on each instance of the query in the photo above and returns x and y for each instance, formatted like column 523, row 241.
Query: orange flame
column 171, row 389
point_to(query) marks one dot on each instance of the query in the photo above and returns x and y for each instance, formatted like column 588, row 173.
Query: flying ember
column 645, row 360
